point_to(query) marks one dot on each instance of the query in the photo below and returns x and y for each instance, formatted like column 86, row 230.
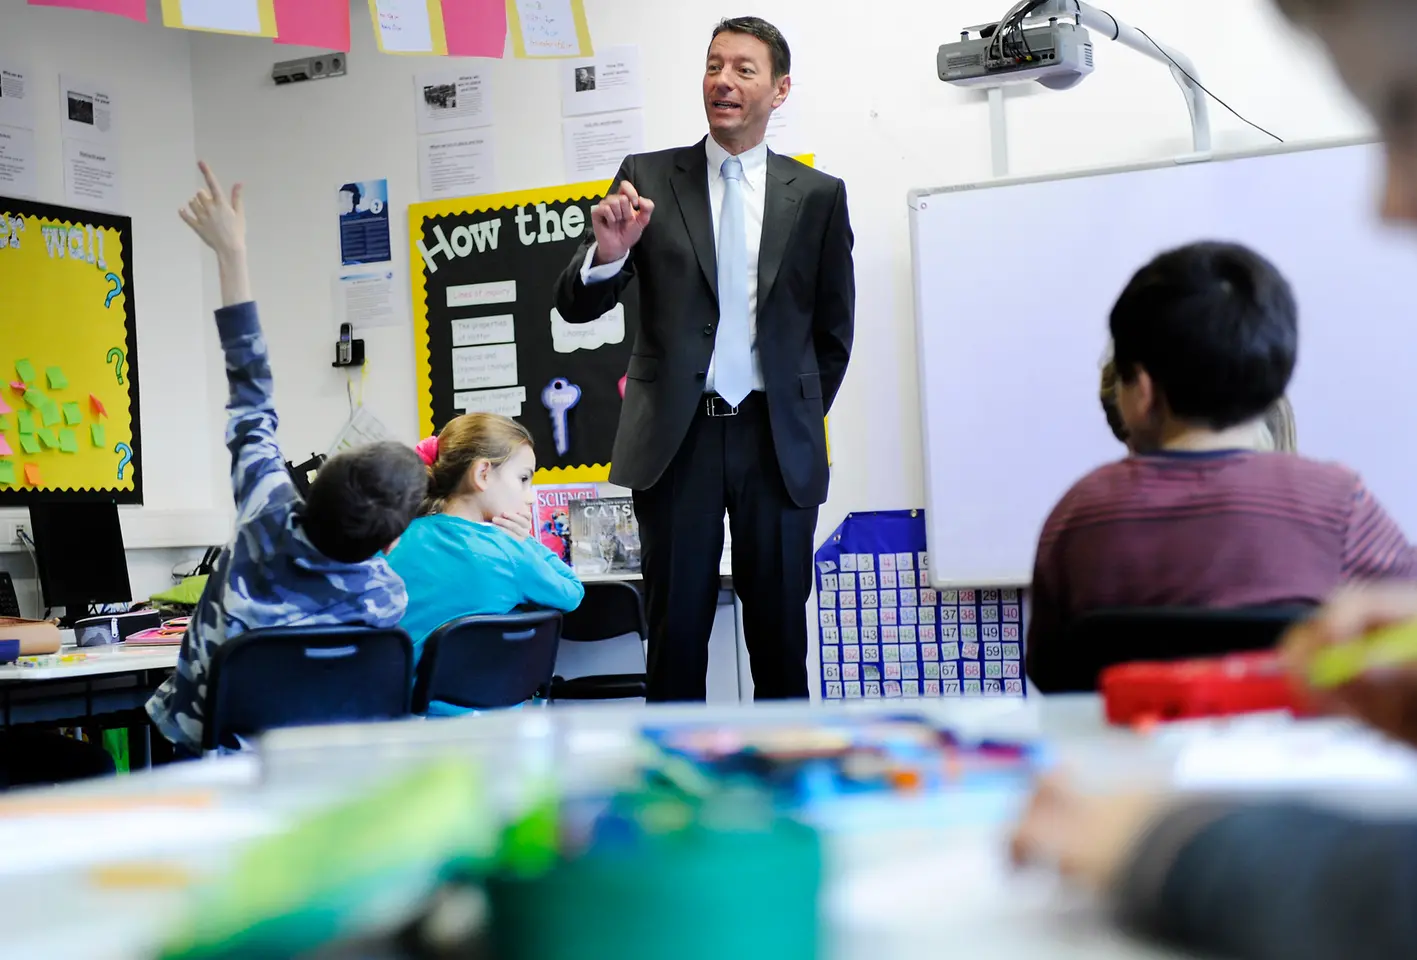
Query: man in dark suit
column 747, row 300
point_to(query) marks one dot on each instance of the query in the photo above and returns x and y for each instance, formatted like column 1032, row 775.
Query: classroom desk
column 906, row 892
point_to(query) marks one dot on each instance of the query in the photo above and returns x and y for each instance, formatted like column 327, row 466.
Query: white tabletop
column 95, row 661
column 903, row 892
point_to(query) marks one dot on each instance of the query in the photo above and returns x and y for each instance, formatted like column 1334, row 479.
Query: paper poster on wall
column 453, row 99
column 476, row 28
column 68, row 356
column 249, row 17
column 611, row 80
column 409, row 26
column 459, row 164
column 364, row 222
column 132, row 9
column 18, row 162
column 483, row 272
column 92, row 177
column 368, row 297
column 16, row 96
column 785, row 133
column 88, row 109
column 594, row 147
column 549, row 28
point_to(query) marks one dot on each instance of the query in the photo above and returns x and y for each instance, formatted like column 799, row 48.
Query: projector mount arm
column 1087, row 16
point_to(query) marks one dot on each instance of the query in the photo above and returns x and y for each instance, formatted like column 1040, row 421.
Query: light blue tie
column 733, row 346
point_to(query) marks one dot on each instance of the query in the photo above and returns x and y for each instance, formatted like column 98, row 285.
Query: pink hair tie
column 427, row 450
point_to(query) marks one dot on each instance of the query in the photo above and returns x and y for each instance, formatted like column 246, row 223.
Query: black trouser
column 42, row 757
column 726, row 463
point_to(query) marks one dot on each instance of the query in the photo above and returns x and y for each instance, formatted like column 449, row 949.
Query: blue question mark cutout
column 127, row 457
column 117, row 289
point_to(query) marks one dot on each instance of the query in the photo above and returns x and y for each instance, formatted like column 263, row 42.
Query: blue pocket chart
column 885, row 634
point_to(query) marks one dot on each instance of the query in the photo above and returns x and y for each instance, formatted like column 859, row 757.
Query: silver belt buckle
column 716, row 406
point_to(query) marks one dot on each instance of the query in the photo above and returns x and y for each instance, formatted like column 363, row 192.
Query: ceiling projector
column 1057, row 54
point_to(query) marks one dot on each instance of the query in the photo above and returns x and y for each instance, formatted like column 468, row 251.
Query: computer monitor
column 80, row 556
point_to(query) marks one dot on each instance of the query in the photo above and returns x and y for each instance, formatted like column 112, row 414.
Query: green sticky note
column 7, row 472
column 97, row 431
column 68, row 441
column 24, row 370
column 4, row 424
column 56, row 378
column 50, row 413
column 50, row 436
column 29, row 443
column 72, row 414
column 26, row 420
column 35, row 397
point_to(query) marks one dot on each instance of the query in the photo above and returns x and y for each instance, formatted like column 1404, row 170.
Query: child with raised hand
column 292, row 561
column 474, row 551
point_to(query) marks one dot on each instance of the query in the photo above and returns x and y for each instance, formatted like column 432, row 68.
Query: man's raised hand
column 619, row 221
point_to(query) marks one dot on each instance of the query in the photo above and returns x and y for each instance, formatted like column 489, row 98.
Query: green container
column 705, row 890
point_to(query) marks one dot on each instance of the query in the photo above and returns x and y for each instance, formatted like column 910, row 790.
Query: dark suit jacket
column 806, row 309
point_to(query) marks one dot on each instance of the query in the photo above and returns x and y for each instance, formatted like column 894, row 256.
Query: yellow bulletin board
column 68, row 356
column 483, row 272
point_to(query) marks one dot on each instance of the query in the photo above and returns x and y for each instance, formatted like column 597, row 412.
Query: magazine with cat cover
column 605, row 537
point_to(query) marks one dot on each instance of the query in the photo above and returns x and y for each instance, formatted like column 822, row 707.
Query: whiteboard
column 1014, row 281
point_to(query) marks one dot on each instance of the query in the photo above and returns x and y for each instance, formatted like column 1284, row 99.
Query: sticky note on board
column 4, row 407
column 5, row 450
column 50, row 413
column 24, row 370
column 7, row 472
column 50, row 436
column 68, row 441
column 72, row 414
column 96, row 431
column 35, row 397
column 32, row 474
column 56, row 378
column 29, row 443
column 17, row 386
column 26, row 420
column 97, row 406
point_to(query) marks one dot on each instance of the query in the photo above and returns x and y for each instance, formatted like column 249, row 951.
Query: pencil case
column 27, row 638
column 114, row 627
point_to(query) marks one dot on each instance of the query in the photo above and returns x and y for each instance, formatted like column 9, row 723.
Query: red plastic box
column 1148, row 692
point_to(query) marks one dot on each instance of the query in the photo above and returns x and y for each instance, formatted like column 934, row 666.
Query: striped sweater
column 1215, row 529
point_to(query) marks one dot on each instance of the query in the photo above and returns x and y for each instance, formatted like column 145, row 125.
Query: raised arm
column 834, row 323
column 603, row 266
column 258, row 475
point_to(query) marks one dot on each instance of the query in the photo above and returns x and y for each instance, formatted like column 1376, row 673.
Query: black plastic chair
column 1107, row 637
column 483, row 663
column 609, row 610
column 291, row 676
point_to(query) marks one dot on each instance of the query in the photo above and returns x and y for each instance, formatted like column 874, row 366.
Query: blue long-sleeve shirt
column 458, row 568
column 269, row 575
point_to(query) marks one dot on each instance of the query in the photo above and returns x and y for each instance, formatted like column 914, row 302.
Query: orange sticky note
column 32, row 474
column 97, row 405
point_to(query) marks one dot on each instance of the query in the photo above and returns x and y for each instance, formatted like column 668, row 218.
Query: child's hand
column 1385, row 699
column 1086, row 837
column 518, row 524
column 218, row 219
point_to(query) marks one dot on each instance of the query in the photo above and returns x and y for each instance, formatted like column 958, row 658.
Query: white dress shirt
column 755, row 190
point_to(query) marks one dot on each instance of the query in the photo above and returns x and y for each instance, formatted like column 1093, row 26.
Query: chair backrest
column 613, row 608
column 1103, row 638
column 488, row 662
column 290, row 676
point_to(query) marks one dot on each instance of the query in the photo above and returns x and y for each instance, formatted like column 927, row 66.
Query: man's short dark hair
column 1215, row 326
column 362, row 500
column 768, row 34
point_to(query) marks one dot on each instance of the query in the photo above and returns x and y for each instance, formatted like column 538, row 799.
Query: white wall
column 875, row 114
column 149, row 70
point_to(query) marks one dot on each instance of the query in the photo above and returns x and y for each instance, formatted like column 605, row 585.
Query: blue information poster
column 885, row 634
column 364, row 222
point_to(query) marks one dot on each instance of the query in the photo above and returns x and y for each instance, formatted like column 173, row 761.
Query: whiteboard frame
column 918, row 199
